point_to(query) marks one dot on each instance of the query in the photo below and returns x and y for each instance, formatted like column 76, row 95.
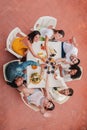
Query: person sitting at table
column 51, row 34
column 70, row 51
column 24, row 43
column 34, row 96
column 62, row 92
column 16, row 68
column 61, row 95
column 66, row 91
column 68, row 74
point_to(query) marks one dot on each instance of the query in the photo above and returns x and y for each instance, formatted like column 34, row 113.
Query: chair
column 57, row 97
column 33, row 107
column 10, row 38
column 45, row 21
column 4, row 69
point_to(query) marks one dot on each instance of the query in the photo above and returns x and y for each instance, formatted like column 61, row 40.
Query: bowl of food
column 35, row 78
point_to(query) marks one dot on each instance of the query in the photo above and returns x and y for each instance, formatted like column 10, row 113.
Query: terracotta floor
column 72, row 17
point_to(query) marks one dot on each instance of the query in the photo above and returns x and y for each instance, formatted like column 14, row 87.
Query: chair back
column 10, row 38
column 57, row 97
column 4, row 69
column 33, row 107
column 45, row 21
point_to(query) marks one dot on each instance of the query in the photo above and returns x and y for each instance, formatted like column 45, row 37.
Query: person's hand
column 55, row 76
column 42, row 65
column 43, row 59
column 49, row 97
column 57, row 65
column 60, row 67
column 46, row 114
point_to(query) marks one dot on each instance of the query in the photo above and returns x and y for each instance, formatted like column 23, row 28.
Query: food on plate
column 35, row 78
column 34, row 67
column 42, row 54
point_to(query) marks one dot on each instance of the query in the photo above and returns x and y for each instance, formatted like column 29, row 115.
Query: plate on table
column 35, row 78
column 42, row 54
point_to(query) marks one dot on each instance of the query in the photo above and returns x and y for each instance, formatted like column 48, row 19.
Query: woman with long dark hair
column 21, row 44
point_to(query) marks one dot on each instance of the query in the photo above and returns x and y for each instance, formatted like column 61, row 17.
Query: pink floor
column 72, row 17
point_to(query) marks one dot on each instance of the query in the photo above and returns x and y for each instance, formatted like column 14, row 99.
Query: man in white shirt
column 62, row 93
column 51, row 34
column 70, row 52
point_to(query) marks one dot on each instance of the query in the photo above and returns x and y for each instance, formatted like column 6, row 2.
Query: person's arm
column 33, row 53
column 23, row 65
column 42, row 69
column 60, row 69
column 63, row 60
column 55, row 76
column 47, row 94
column 45, row 44
column 45, row 90
column 72, row 41
column 29, row 45
column 19, row 35
column 31, row 50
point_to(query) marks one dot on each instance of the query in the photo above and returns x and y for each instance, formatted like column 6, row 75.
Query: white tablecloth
column 37, row 48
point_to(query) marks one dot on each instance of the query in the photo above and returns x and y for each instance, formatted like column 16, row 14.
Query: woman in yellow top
column 22, row 43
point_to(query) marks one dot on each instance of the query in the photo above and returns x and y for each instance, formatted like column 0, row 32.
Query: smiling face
column 74, row 59
column 36, row 38
column 48, row 104
column 73, row 72
column 19, row 81
column 65, row 92
column 57, row 36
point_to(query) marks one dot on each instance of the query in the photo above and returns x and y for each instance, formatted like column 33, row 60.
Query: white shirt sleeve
column 73, row 51
column 67, row 78
column 69, row 49
column 46, row 32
